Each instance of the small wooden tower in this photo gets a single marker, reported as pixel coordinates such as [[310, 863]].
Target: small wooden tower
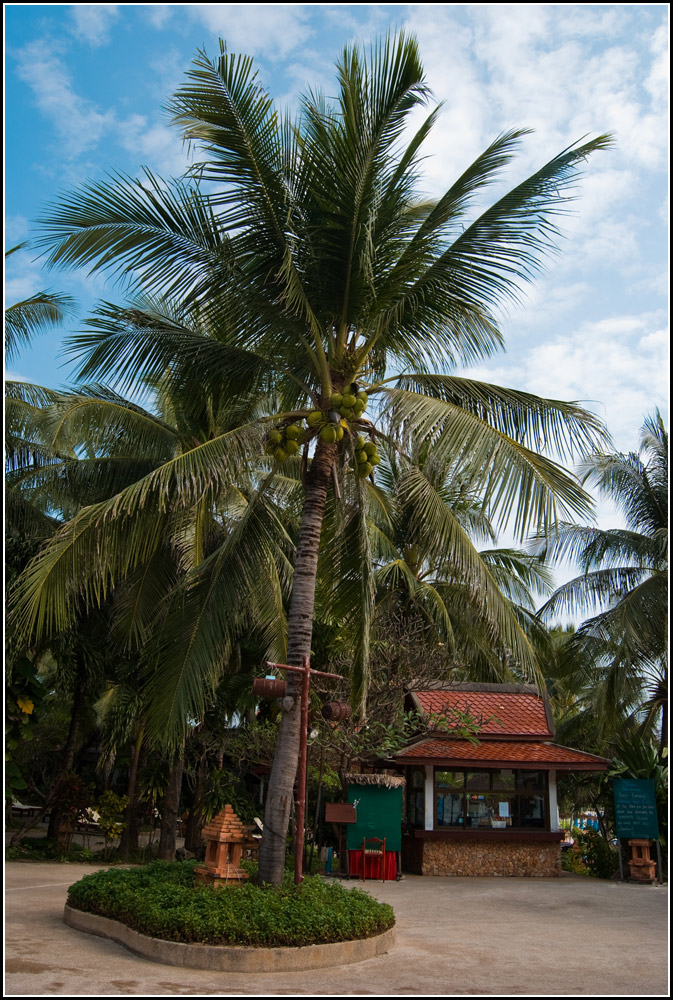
[[226, 839]]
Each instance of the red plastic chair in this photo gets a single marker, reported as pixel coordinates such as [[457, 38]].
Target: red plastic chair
[[373, 847]]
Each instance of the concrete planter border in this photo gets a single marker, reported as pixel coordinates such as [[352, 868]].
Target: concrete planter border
[[223, 958]]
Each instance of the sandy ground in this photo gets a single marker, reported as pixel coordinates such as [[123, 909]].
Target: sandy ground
[[571, 936]]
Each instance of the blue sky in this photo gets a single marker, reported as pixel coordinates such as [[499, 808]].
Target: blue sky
[[84, 92]]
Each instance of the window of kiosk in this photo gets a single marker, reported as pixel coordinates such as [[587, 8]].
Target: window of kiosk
[[416, 798], [450, 798], [499, 799]]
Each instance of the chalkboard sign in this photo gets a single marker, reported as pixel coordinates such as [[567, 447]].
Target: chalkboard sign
[[635, 808]]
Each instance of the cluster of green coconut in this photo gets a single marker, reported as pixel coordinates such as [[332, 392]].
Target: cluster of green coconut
[[366, 456], [341, 407], [284, 442], [350, 404]]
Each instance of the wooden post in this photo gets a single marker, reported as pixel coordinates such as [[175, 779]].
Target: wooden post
[[300, 802]]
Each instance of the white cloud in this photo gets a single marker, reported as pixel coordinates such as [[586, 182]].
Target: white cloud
[[158, 14], [274, 30], [566, 72], [16, 230], [92, 22], [539, 66], [656, 282], [11, 376], [77, 120], [657, 82], [168, 73], [81, 125], [23, 277], [618, 367], [154, 144]]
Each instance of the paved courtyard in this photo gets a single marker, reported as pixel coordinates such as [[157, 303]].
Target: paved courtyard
[[571, 936]]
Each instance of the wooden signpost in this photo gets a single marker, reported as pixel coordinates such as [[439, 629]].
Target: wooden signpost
[[306, 673]]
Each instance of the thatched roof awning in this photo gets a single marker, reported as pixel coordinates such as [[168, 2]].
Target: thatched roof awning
[[381, 780]]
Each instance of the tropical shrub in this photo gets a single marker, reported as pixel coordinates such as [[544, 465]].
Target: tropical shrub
[[591, 855], [161, 900]]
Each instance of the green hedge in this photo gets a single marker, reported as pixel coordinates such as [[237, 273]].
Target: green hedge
[[161, 900]]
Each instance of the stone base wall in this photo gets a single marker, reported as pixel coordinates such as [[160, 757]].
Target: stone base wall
[[465, 857]]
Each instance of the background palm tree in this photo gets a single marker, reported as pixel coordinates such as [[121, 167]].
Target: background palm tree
[[425, 530], [85, 451], [318, 271], [34, 315], [624, 572]]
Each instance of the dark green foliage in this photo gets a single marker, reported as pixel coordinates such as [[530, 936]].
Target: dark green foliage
[[224, 788], [23, 694], [591, 855], [44, 849], [601, 858], [160, 900]]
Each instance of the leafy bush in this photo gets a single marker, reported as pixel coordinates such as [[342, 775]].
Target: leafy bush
[[601, 858], [44, 849], [110, 809], [572, 861], [591, 855], [161, 900]]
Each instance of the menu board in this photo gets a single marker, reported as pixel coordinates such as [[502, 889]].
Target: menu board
[[635, 808]]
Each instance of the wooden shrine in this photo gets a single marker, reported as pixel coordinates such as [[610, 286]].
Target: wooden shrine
[[226, 839], [641, 866]]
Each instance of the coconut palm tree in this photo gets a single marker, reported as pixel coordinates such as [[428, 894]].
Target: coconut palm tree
[[625, 576], [328, 286]]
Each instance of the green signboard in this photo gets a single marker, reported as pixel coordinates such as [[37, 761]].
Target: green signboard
[[379, 814], [635, 808]]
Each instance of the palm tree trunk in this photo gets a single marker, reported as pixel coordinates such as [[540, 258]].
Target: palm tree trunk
[[300, 631], [70, 747], [66, 765], [129, 838], [169, 810], [195, 823]]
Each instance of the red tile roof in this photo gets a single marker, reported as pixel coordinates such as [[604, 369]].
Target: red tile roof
[[493, 753], [509, 714]]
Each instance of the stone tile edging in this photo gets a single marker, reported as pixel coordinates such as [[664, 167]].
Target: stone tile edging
[[223, 958]]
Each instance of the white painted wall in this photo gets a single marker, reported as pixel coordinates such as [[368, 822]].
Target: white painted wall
[[429, 797], [554, 819]]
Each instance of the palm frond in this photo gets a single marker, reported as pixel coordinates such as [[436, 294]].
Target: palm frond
[[161, 237], [34, 315], [106, 541], [584, 593], [592, 547], [563, 428], [203, 613], [521, 487]]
